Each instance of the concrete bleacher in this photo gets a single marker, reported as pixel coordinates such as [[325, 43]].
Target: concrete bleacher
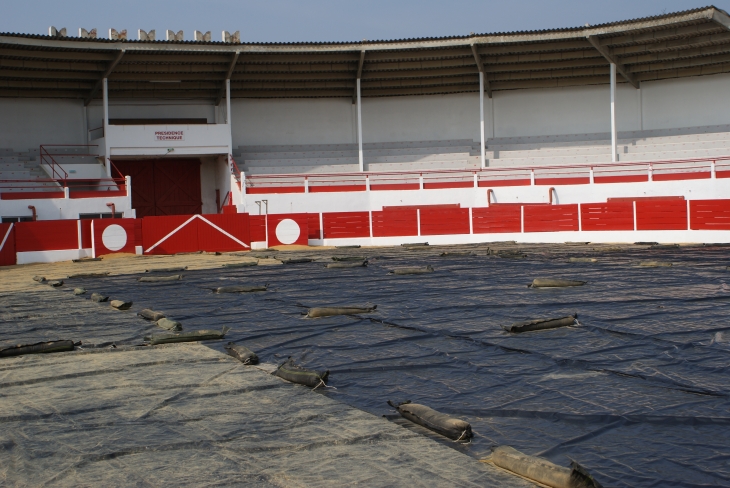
[[506, 152], [22, 171]]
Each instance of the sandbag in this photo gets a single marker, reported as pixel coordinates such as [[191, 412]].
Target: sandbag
[[554, 283], [85, 260], [239, 289], [55, 283], [349, 258], [39, 279], [454, 254], [654, 264], [346, 265], [456, 429], [98, 297], [79, 291], [168, 324], [191, 336], [165, 270], [89, 275], [302, 376], [355, 246], [415, 244], [120, 304], [240, 265], [157, 279], [541, 324], [411, 271], [664, 246], [150, 315], [332, 311], [643, 243], [242, 353], [542, 470], [511, 254], [582, 260], [297, 260], [37, 348]]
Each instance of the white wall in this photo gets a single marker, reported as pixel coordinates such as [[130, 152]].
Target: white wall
[[152, 109], [27, 123]]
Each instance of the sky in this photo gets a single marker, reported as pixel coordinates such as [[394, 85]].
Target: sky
[[325, 20]]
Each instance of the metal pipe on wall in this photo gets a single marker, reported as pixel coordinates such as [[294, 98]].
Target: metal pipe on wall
[[613, 112], [359, 129], [481, 117]]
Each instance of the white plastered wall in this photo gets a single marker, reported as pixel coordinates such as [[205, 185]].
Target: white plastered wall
[[214, 176], [27, 123], [151, 109]]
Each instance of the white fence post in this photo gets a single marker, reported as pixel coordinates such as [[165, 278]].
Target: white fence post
[[418, 221], [522, 219], [532, 177], [634, 215]]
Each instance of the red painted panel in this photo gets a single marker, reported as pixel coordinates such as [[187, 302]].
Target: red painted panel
[[607, 216], [130, 226], [301, 219], [693, 175], [436, 221], [97, 194], [338, 225], [563, 181], [335, 188], [7, 244], [515, 182], [394, 186], [620, 178], [255, 190], [313, 226], [722, 174], [438, 206], [661, 214], [230, 209], [448, 184], [257, 225], [85, 233], [551, 218], [394, 223], [27, 195], [648, 199], [46, 235], [155, 229], [497, 219], [211, 239], [709, 214]]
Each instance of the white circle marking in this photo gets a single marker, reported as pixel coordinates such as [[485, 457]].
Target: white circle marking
[[114, 237], [287, 231]]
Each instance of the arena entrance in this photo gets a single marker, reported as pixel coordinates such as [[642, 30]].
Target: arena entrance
[[164, 186]]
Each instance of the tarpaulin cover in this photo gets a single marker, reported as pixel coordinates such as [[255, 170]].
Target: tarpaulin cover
[[637, 393]]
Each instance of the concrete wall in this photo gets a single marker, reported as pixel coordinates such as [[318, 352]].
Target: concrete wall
[[157, 109], [28, 123]]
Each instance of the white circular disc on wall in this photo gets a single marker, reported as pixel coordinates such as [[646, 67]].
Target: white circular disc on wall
[[114, 237], [287, 231]]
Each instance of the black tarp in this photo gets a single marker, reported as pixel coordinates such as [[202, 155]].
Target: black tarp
[[638, 393]]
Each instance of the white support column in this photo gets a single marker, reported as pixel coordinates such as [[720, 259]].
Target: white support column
[[359, 129], [481, 117], [613, 113], [228, 102], [105, 103], [418, 221], [522, 219], [634, 215]]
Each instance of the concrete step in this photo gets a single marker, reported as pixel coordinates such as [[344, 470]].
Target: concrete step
[[279, 170], [371, 153], [353, 160], [353, 146]]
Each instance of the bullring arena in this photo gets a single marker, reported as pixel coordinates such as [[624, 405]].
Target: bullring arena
[[493, 260]]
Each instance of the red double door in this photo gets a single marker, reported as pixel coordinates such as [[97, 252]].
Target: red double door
[[164, 186]]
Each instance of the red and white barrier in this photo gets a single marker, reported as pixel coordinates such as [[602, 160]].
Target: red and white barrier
[[288, 229], [7, 244], [182, 233], [112, 236]]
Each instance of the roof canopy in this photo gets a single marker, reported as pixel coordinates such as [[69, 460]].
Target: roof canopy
[[690, 43]]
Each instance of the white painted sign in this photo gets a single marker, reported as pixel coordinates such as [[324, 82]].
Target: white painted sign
[[169, 135]]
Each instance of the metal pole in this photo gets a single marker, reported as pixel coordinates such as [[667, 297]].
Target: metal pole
[[228, 102], [359, 128], [481, 116], [613, 113], [107, 150]]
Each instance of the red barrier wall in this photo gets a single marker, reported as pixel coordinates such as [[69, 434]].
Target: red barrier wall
[[86, 233], [211, 239], [444, 221], [709, 214], [276, 233], [154, 229], [46, 235], [607, 216], [257, 225], [313, 225], [661, 214], [195, 233], [340, 225], [395, 223], [496, 219], [7, 244], [551, 218], [112, 236]]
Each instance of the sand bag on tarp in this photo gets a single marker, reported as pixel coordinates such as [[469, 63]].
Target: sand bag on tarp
[[165, 270], [79, 291], [151, 315], [191, 336], [511, 254], [542, 470], [297, 374], [456, 254], [297, 260], [120, 304], [157, 279], [39, 279], [85, 260], [168, 324], [89, 275], [346, 265], [582, 260], [654, 264], [412, 271], [554, 283], [98, 297], [56, 283], [37, 348], [332, 311], [242, 353], [349, 258], [241, 265], [541, 324], [239, 289], [456, 429]]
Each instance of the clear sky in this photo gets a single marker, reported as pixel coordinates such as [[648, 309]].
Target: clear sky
[[325, 20]]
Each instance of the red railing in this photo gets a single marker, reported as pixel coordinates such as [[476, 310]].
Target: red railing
[[684, 169], [234, 170]]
